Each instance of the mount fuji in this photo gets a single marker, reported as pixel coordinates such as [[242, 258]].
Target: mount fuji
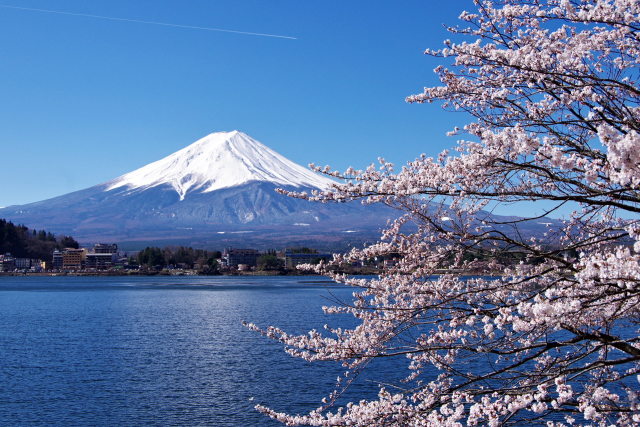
[[220, 190]]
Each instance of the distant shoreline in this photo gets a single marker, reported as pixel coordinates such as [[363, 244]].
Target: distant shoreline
[[150, 273], [170, 273]]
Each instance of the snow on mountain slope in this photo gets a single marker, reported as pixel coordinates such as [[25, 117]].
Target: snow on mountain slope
[[219, 160]]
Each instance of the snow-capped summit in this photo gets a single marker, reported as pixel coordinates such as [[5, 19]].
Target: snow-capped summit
[[219, 160]]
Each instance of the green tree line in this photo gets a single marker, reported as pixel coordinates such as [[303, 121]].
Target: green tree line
[[153, 257], [23, 242]]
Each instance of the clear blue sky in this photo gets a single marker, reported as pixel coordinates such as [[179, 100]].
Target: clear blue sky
[[83, 100]]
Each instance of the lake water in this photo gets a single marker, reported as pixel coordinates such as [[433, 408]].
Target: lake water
[[120, 351], [158, 350]]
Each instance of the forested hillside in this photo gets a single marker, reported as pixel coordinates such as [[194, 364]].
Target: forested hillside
[[23, 242]]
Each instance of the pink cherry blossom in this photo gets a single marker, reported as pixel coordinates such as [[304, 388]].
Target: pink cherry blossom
[[552, 88]]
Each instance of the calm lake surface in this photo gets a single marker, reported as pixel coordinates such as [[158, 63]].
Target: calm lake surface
[[159, 350]]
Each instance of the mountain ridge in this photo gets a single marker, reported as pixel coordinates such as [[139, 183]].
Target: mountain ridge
[[219, 190]]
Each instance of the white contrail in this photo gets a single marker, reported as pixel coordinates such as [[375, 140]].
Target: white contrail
[[139, 21]]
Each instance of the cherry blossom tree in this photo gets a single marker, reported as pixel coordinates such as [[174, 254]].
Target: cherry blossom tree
[[552, 87]]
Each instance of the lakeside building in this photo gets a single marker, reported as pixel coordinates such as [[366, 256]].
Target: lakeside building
[[72, 258], [100, 261], [103, 257], [292, 260], [7, 262], [32, 264], [234, 257], [23, 263], [56, 262]]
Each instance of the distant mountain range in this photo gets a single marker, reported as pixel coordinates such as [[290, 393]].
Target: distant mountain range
[[218, 191]]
